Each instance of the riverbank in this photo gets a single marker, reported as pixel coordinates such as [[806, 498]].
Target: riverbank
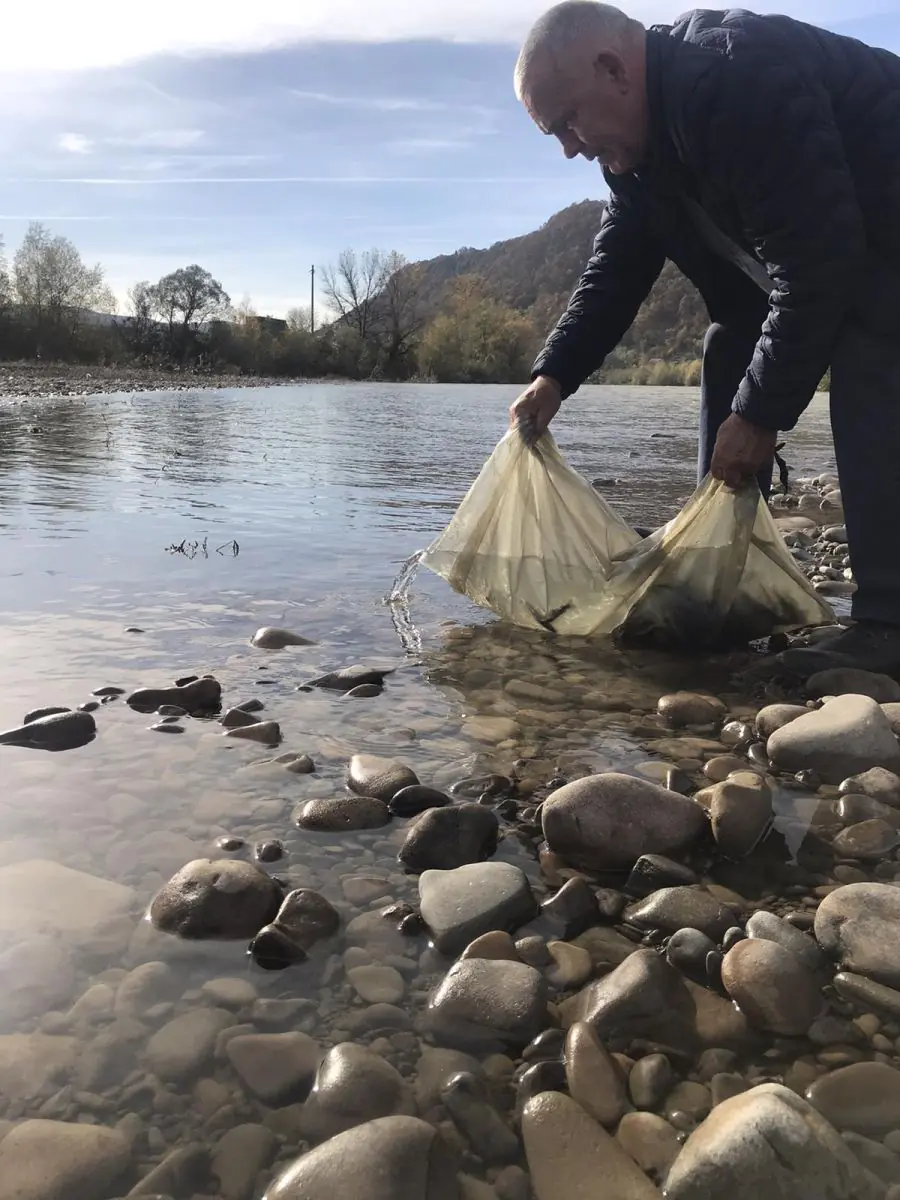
[[34, 380]]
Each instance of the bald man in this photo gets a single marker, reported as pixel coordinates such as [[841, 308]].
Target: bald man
[[762, 156]]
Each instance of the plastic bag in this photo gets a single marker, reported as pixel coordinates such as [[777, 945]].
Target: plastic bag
[[536, 544]]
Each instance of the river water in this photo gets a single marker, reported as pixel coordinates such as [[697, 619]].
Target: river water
[[197, 518]]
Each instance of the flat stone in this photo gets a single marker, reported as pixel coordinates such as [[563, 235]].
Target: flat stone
[[690, 708], [377, 984], [143, 988], [871, 840], [391, 1158], [772, 986], [768, 1142], [178, 1050], [856, 925], [461, 904], [230, 993], [382, 778], [364, 889], [277, 1068], [571, 966], [267, 733], [570, 1155], [776, 716], [867, 992], [847, 735], [65, 730], [863, 1097], [593, 1076], [36, 975], [654, 871], [740, 812], [323, 815], [347, 678], [671, 909], [53, 1160], [43, 897], [237, 718], [239, 1158], [216, 898], [843, 681], [443, 839], [272, 638], [410, 801], [497, 945], [650, 1140], [646, 999], [494, 729], [353, 1085], [772, 928], [30, 1062], [482, 1001], [610, 820], [878, 783]]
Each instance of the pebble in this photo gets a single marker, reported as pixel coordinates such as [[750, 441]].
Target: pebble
[[671, 909], [347, 678], [842, 681], [412, 800], [654, 871], [364, 691], [569, 1154], [848, 734], [740, 811], [303, 919], [381, 778], [593, 1077], [719, 768], [871, 840], [572, 910], [650, 1081], [464, 1097], [772, 986], [271, 638], [767, 1142], [270, 851], [482, 1001], [178, 1051], [354, 1085], [497, 944], [878, 783], [216, 898], [57, 731], [867, 991], [863, 1097], [463, 903], [230, 993], [53, 1160], [435, 1067], [267, 733], [297, 764], [772, 928], [856, 925], [345, 813], [571, 966], [608, 821], [692, 1099], [690, 708], [236, 718], [650, 1140], [446, 838], [240, 1157], [181, 1172], [875, 1157], [377, 984]]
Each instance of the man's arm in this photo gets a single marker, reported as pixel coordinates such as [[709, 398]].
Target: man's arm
[[626, 261], [768, 136]]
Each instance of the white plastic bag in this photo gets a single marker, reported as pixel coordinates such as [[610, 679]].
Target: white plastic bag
[[533, 542]]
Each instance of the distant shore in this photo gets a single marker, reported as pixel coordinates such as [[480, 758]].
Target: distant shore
[[35, 380]]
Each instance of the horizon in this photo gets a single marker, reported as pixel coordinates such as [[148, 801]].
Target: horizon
[[258, 144]]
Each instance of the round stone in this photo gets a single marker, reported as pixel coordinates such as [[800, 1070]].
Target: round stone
[[216, 898], [771, 986]]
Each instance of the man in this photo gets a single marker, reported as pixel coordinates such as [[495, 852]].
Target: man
[[762, 156]]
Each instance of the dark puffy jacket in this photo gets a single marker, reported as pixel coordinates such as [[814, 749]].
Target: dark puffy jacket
[[788, 137]]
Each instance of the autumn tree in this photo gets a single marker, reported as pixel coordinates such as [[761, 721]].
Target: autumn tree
[[53, 287], [187, 299], [477, 339]]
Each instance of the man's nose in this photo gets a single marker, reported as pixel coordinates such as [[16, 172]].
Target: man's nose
[[572, 145]]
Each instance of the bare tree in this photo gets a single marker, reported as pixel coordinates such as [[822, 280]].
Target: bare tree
[[399, 309], [52, 284], [299, 319], [141, 327], [352, 288], [5, 283], [187, 299]]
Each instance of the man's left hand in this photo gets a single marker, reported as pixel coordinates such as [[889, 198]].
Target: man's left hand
[[742, 449]]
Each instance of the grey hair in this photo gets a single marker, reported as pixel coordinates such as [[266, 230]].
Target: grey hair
[[564, 28]]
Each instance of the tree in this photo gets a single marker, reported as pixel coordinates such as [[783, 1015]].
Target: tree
[[352, 288], [399, 318], [54, 287], [141, 327], [299, 320], [478, 340], [5, 284], [186, 300]]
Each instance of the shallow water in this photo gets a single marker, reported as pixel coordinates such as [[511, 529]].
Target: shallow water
[[198, 518]]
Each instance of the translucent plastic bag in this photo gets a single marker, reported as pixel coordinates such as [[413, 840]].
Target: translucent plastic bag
[[534, 542]]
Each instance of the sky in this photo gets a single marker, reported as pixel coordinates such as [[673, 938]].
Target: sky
[[262, 140]]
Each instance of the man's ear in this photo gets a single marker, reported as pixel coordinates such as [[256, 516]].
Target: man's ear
[[611, 68]]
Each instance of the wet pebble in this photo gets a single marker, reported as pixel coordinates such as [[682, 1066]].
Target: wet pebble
[[856, 926], [267, 733], [459, 905], [166, 726], [863, 1097], [272, 638], [216, 898], [381, 778], [593, 1077], [464, 1097], [772, 986], [654, 871], [482, 1001], [303, 919], [446, 838], [674, 908], [412, 800], [650, 1140], [690, 708], [377, 984], [650, 1081], [270, 851], [230, 844], [687, 951], [344, 813]]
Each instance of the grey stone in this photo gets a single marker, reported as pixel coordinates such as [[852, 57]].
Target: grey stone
[[768, 1142], [571, 911], [36, 975], [461, 904], [482, 1001], [773, 987], [238, 717], [740, 812], [277, 1068], [143, 988], [415, 799], [52, 1160], [322, 815], [377, 984], [57, 731], [391, 1158], [856, 925], [242, 1153], [851, 809], [267, 733], [654, 871], [688, 951], [863, 1097], [303, 919], [880, 784], [31, 1063], [216, 898], [875, 1157], [230, 992], [842, 681], [610, 820], [347, 678], [688, 1099], [465, 1098], [354, 1085], [772, 928], [775, 716], [846, 735], [182, 1172], [870, 840], [271, 638], [650, 1140], [671, 909], [446, 838], [434, 1069], [382, 778], [39, 896], [496, 944], [650, 1081], [570, 1155], [178, 1050], [570, 968], [593, 1076], [868, 993], [690, 708], [200, 695]]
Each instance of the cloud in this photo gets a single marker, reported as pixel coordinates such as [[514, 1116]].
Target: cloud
[[94, 34], [74, 143]]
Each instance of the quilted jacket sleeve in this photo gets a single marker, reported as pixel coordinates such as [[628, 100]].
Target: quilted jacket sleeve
[[766, 135], [616, 281]]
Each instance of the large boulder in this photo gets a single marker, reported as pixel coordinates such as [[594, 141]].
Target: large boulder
[[857, 926], [216, 898], [846, 735], [608, 821]]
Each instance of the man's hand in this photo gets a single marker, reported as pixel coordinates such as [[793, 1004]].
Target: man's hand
[[536, 407], [741, 450]]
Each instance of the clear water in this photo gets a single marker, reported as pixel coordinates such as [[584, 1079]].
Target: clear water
[[198, 518]]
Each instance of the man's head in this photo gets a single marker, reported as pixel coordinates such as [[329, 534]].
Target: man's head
[[581, 76]]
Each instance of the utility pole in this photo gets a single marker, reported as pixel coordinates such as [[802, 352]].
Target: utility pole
[[312, 299]]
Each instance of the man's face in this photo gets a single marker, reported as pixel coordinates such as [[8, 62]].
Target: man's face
[[594, 112]]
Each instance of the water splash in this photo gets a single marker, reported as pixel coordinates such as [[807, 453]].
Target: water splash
[[398, 602]]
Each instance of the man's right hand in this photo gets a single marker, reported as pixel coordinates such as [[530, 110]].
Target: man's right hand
[[536, 407]]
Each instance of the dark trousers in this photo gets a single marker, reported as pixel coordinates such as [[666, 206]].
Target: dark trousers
[[865, 421]]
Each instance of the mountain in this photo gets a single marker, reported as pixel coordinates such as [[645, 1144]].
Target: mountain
[[535, 273]]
